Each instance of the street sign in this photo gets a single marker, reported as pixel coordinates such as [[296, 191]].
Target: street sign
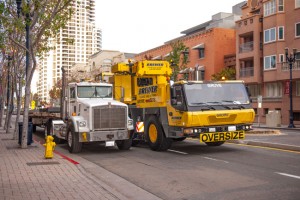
[[287, 87], [32, 105], [259, 101]]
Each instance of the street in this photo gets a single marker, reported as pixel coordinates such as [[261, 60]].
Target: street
[[190, 170]]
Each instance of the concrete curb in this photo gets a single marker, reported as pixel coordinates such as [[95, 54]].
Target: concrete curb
[[276, 128], [268, 144], [261, 131], [120, 187]]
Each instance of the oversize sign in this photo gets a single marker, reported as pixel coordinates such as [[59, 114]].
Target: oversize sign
[[222, 136]]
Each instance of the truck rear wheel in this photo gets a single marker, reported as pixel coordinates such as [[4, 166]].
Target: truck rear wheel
[[214, 143], [73, 141], [155, 135], [124, 144]]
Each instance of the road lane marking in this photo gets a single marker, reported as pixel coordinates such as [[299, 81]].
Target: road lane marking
[[180, 152], [268, 148], [208, 158], [289, 175]]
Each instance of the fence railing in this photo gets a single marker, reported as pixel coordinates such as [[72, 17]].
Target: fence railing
[[286, 67], [246, 47], [246, 72]]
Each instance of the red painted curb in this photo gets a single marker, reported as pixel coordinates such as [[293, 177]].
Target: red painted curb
[[67, 158]]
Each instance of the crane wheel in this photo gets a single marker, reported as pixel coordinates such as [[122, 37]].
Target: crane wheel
[[155, 135]]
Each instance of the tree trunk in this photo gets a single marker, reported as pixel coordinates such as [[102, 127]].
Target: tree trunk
[[25, 116], [1, 106], [19, 99], [9, 109], [9, 98], [1, 109], [29, 74]]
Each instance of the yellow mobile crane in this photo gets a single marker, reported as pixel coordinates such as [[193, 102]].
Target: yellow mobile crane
[[213, 111]]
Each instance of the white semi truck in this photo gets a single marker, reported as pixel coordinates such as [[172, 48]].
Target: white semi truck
[[88, 114]]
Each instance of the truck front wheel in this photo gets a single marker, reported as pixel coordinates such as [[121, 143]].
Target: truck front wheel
[[124, 144], [73, 141], [214, 143], [155, 135]]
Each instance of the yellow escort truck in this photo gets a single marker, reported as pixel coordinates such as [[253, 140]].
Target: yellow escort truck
[[213, 111]]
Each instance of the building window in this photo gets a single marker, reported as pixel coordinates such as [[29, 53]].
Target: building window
[[298, 88], [270, 35], [281, 33], [269, 8], [254, 90], [266, 111], [297, 56], [297, 3], [274, 89], [269, 62], [201, 53], [297, 30], [281, 58], [280, 6]]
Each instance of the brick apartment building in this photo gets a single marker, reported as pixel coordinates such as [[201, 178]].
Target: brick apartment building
[[255, 46], [266, 28], [209, 44]]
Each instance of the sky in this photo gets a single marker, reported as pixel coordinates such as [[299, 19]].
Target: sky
[[134, 26]]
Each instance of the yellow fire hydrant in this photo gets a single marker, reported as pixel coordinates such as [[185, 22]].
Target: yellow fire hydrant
[[49, 146]]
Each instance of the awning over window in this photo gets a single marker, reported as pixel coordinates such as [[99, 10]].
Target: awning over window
[[199, 46], [156, 58], [168, 54], [186, 70], [200, 68]]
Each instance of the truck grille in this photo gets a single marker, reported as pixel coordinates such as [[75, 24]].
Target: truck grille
[[109, 117]]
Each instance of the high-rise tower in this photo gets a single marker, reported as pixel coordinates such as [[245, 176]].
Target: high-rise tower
[[74, 44]]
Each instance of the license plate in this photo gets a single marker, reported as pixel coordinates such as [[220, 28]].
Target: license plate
[[110, 143], [222, 136]]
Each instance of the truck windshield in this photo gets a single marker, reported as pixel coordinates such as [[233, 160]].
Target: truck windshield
[[198, 94], [94, 92]]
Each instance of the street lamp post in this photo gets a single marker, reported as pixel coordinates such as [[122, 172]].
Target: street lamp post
[[291, 59], [27, 23]]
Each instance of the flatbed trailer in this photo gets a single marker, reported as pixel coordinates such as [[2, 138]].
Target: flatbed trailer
[[40, 117]]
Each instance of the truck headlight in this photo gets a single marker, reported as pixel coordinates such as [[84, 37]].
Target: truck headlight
[[188, 131], [82, 124]]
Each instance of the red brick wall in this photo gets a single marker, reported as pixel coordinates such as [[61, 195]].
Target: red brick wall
[[218, 43]]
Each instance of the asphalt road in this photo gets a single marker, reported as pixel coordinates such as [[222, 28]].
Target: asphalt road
[[195, 171]]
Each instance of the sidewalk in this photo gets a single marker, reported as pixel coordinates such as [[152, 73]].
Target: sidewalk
[[26, 174]]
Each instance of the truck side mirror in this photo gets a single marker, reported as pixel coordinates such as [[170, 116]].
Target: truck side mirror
[[173, 96], [248, 93], [122, 93], [173, 93]]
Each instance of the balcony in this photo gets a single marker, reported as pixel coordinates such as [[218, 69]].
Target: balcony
[[246, 47], [247, 72], [285, 66]]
